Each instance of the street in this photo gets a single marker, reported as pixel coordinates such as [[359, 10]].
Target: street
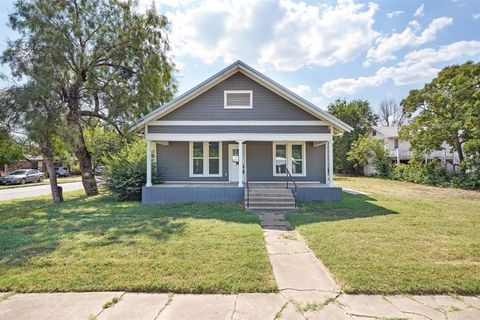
[[27, 192]]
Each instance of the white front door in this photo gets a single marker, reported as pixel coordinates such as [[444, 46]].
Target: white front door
[[233, 162]]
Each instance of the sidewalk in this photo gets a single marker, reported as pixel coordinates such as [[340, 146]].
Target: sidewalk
[[307, 291]]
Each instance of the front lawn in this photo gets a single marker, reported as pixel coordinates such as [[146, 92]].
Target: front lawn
[[400, 238], [98, 244]]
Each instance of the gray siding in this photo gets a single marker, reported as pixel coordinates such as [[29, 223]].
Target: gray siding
[[173, 159], [267, 105], [260, 162], [238, 129]]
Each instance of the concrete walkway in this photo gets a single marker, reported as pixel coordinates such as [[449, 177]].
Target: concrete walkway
[[307, 291]]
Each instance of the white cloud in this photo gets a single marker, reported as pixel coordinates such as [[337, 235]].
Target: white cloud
[[284, 34], [395, 13], [387, 45], [419, 11], [476, 16], [416, 67], [301, 89]]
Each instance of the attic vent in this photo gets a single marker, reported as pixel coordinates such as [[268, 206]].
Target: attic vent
[[238, 99]]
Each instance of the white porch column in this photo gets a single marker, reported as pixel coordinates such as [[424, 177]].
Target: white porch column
[[398, 156], [330, 163], [240, 163], [149, 164]]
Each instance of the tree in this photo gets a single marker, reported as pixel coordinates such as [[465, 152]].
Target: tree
[[10, 151], [391, 113], [367, 149], [360, 116], [36, 112], [447, 110], [108, 62]]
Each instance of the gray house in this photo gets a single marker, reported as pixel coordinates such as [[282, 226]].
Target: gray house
[[241, 136]]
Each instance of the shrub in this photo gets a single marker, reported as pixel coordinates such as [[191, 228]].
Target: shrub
[[433, 173], [429, 173], [126, 171]]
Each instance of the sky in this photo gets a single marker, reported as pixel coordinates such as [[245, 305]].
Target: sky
[[322, 50]]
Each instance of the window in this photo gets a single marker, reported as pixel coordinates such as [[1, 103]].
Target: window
[[291, 156], [374, 133], [205, 159], [238, 99], [395, 143]]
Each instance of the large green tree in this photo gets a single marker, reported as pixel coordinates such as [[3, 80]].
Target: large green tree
[[447, 110], [360, 116], [108, 62]]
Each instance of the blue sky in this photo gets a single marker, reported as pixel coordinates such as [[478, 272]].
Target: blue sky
[[323, 50]]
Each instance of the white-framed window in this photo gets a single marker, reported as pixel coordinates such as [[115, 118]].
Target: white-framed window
[[291, 156], [205, 159], [238, 99]]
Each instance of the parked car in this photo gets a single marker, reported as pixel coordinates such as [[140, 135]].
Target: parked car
[[62, 172], [23, 176]]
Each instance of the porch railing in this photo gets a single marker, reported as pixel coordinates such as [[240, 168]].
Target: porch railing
[[289, 175]]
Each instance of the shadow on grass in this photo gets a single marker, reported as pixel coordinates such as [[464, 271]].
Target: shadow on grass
[[35, 227], [349, 207]]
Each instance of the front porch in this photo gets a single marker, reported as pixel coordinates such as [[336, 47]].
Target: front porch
[[216, 168]]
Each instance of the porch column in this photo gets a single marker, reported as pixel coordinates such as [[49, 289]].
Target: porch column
[[330, 163], [149, 164], [240, 163]]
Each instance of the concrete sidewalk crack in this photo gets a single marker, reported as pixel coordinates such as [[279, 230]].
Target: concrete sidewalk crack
[[169, 301], [234, 307]]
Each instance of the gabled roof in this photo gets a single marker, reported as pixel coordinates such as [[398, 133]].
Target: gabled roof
[[387, 132], [239, 66]]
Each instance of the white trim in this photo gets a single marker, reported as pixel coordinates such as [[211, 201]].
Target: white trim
[[288, 160], [239, 123], [149, 164], [230, 147], [226, 92], [239, 136], [330, 164], [206, 159], [251, 73]]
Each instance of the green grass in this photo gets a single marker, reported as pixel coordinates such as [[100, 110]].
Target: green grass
[[99, 244], [44, 182], [400, 238]]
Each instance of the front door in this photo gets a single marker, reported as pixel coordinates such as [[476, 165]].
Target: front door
[[233, 162]]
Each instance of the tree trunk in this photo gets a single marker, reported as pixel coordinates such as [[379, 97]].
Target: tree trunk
[[48, 158], [83, 155], [458, 146], [85, 159]]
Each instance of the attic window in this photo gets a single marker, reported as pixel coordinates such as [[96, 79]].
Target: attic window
[[238, 99]]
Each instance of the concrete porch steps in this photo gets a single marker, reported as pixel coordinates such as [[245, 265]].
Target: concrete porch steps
[[269, 199]]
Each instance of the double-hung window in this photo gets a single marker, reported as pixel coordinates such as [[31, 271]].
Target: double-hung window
[[291, 156], [206, 159]]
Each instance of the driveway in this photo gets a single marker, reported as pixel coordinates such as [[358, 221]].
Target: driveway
[[27, 192]]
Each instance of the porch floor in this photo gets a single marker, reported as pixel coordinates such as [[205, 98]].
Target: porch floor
[[252, 184]]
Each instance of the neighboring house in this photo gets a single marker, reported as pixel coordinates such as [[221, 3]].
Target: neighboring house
[[399, 150], [37, 163], [237, 133]]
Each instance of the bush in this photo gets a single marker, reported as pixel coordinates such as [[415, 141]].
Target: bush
[[432, 173], [126, 171]]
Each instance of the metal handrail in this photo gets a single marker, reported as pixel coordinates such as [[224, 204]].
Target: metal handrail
[[248, 189], [294, 184]]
